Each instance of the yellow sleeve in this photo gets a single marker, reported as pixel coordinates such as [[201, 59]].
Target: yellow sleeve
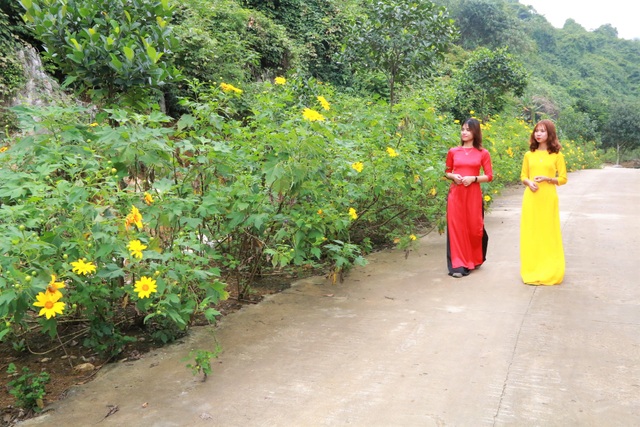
[[524, 173], [561, 168]]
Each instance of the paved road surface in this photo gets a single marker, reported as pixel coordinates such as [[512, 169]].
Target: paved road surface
[[400, 343]]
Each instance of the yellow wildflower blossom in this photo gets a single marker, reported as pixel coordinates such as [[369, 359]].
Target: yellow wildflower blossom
[[134, 218], [3, 149], [148, 199], [510, 152], [325, 104], [487, 198], [136, 247], [320, 212], [353, 214], [280, 80], [226, 87], [312, 115], [145, 287], [53, 288], [82, 267], [433, 191], [412, 237], [50, 305], [392, 152], [358, 166]]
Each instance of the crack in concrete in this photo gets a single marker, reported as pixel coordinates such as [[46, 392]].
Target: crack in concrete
[[513, 352]]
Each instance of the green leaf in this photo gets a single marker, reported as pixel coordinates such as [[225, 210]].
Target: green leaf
[[128, 53]]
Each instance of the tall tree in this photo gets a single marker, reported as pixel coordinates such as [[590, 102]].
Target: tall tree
[[485, 80], [621, 130], [401, 39]]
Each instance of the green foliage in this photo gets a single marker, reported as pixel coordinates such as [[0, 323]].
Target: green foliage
[[621, 130], [63, 201], [265, 176], [318, 27], [202, 361], [114, 50], [481, 23], [11, 73], [400, 39], [28, 388], [12, 26], [485, 80], [220, 41]]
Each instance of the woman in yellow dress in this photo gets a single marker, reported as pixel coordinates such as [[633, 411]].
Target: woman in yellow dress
[[543, 168]]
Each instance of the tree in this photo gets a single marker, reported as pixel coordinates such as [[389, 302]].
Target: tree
[[318, 25], [621, 130], [485, 80], [400, 39], [112, 50]]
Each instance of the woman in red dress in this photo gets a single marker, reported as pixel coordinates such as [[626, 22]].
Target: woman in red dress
[[466, 237]]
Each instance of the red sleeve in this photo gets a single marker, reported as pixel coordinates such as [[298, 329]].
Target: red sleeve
[[486, 165], [449, 165]]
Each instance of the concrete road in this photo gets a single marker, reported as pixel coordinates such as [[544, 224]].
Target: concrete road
[[400, 343]]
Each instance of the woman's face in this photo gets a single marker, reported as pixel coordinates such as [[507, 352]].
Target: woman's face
[[540, 134], [465, 134]]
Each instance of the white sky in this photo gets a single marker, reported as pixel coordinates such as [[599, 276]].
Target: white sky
[[624, 15]]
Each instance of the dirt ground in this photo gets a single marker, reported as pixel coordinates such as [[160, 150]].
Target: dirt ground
[[38, 353]]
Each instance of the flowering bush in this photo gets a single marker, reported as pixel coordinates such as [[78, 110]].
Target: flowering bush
[[134, 218]]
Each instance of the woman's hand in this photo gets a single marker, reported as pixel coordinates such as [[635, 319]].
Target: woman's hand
[[531, 184], [541, 179], [466, 180]]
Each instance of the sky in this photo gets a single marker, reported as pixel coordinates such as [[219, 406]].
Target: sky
[[624, 15]]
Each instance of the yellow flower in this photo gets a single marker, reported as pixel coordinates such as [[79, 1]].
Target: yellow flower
[[148, 199], [50, 305], [456, 121], [312, 115], [325, 104], [412, 237], [229, 88], [353, 214], [3, 149], [280, 80], [145, 287], [94, 124], [392, 152], [358, 166], [52, 288], [433, 191], [416, 178], [510, 152], [472, 112], [136, 247], [487, 198], [134, 217], [396, 240], [82, 267], [320, 212]]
